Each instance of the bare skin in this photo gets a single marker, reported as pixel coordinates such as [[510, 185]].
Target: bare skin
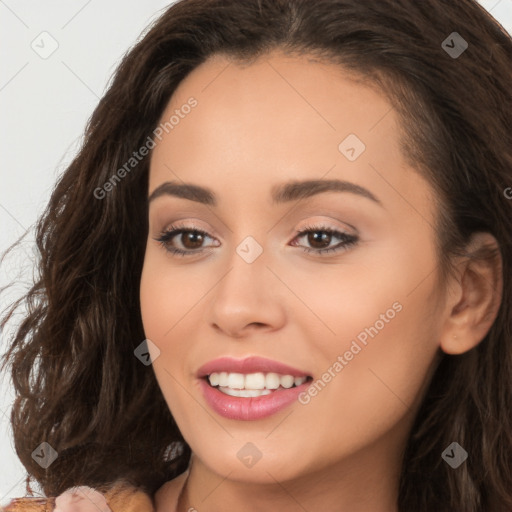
[[256, 126]]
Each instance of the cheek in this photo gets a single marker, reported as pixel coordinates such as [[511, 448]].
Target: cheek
[[374, 373], [166, 296], [380, 318], [167, 300]]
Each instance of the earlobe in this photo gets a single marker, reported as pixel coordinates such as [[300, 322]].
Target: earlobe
[[479, 296]]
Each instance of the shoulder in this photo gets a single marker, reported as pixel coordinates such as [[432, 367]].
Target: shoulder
[[121, 497], [29, 505]]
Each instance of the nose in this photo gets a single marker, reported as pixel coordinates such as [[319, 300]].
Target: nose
[[248, 298]]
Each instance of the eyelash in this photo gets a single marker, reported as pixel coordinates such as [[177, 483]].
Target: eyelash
[[347, 240]]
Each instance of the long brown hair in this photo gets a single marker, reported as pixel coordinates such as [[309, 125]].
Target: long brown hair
[[79, 386]]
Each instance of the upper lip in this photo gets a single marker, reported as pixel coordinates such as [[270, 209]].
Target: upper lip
[[252, 364]]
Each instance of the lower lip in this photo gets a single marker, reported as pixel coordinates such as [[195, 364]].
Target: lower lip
[[250, 408]]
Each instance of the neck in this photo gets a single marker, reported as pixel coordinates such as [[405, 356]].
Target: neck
[[366, 480]]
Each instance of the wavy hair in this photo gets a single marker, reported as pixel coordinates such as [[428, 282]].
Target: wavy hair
[[79, 386]]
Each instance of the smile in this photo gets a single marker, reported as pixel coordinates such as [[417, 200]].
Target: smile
[[252, 384], [251, 388]]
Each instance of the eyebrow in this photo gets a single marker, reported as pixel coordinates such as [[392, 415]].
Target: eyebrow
[[282, 193]]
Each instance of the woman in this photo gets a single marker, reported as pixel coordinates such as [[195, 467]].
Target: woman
[[277, 274]]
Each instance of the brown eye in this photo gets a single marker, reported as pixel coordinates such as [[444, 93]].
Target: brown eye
[[183, 241], [191, 239], [320, 238]]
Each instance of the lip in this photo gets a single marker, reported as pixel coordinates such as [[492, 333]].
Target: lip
[[252, 364], [253, 408], [250, 408]]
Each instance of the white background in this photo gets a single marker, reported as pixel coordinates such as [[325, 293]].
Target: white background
[[45, 104]]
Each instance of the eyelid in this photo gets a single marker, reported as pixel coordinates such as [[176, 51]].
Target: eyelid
[[312, 223], [190, 223], [331, 223], [347, 240]]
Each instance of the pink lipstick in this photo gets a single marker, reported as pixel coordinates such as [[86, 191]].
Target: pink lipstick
[[252, 388]]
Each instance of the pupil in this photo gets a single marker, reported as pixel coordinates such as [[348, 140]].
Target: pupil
[[193, 237], [322, 239]]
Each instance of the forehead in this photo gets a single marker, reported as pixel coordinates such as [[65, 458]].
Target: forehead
[[280, 117]]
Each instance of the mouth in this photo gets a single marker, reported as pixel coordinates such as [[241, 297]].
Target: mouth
[[253, 385], [252, 388]]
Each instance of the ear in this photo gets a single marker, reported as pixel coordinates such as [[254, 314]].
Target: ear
[[474, 298]]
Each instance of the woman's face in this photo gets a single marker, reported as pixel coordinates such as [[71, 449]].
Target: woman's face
[[361, 321]]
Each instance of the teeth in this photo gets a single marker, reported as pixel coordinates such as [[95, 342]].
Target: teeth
[[223, 378], [299, 380], [272, 381], [236, 381], [287, 381], [254, 382], [246, 393], [214, 379]]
